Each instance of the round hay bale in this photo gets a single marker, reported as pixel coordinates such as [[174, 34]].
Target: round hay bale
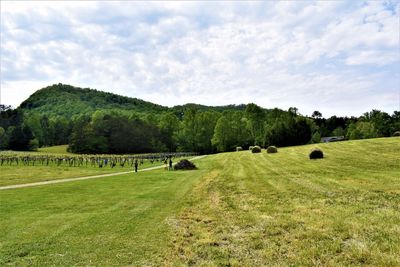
[[397, 133], [184, 164], [256, 149], [251, 147], [272, 149], [239, 148], [316, 153]]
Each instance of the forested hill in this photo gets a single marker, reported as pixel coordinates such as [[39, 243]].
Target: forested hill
[[91, 121], [66, 101]]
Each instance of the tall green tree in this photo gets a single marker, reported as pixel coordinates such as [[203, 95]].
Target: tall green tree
[[255, 116], [362, 130], [231, 131], [222, 134], [205, 125], [20, 138], [169, 126], [3, 139], [186, 136]]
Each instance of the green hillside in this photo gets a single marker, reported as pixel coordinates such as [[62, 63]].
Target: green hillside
[[237, 209], [66, 100], [91, 121]]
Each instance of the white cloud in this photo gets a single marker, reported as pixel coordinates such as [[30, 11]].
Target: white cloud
[[378, 58], [312, 55]]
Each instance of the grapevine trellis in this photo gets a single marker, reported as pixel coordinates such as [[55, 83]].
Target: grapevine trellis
[[9, 159]]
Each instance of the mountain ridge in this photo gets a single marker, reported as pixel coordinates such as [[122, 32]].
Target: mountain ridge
[[67, 100]]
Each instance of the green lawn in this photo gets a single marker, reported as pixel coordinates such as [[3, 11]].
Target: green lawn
[[21, 174], [62, 149], [238, 209]]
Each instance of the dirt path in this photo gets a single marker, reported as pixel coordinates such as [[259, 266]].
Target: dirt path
[[83, 178]]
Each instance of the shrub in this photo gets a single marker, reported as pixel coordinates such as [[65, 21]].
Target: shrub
[[316, 153], [184, 164], [33, 144], [272, 149], [251, 147], [397, 133], [256, 149], [239, 148]]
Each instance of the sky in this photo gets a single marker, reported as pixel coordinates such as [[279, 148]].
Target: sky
[[337, 57]]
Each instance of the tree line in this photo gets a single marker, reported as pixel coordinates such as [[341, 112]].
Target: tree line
[[190, 129]]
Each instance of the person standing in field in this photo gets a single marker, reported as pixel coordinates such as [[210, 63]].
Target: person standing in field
[[170, 163], [136, 165], [165, 164]]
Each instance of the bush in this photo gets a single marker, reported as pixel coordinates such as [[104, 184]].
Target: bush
[[272, 149], [397, 133], [184, 164], [256, 149], [33, 145], [316, 154], [239, 148]]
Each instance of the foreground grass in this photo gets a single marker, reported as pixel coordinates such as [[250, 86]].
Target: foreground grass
[[107, 222], [284, 209], [239, 209]]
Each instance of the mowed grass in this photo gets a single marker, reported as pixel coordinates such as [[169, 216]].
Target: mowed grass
[[22, 174], [284, 209], [112, 221], [238, 209], [61, 149]]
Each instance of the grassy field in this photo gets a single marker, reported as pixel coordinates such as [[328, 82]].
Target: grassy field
[[238, 209], [62, 149], [21, 174]]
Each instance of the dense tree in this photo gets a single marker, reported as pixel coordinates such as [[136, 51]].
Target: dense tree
[[255, 116], [78, 139], [196, 130], [186, 136], [115, 133], [61, 130], [169, 126], [316, 138], [222, 137], [288, 132], [362, 130], [21, 137], [338, 131], [97, 122], [17, 134], [381, 121], [316, 114], [3, 139], [294, 111], [205, 124]]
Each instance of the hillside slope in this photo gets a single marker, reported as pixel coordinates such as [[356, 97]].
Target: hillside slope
[[287, 210], [66, 100]]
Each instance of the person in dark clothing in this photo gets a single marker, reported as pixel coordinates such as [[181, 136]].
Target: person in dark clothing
[[170, 164], [136, 165], [165, 164]]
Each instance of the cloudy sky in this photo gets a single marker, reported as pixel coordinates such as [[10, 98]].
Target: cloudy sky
[[338, 57]]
